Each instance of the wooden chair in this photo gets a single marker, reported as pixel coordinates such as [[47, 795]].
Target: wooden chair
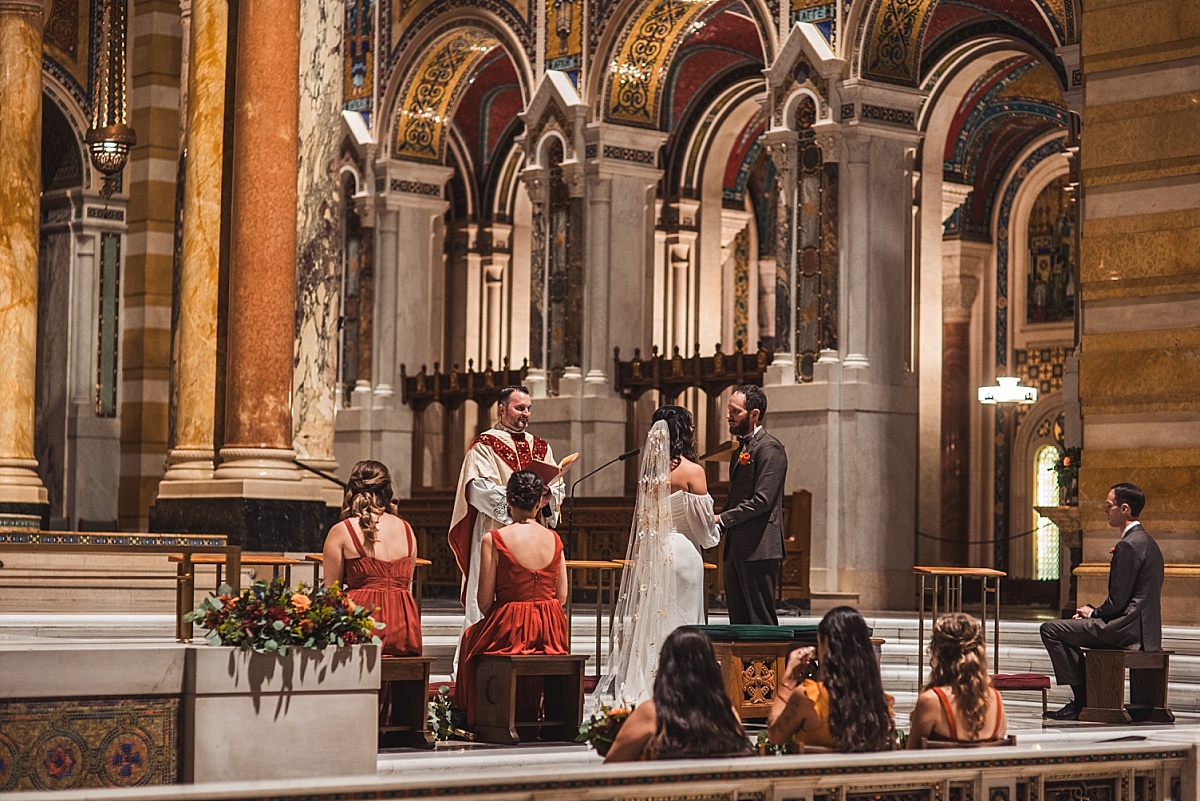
[[1149, 673], [408, 723], [938, 744], [496, 690]]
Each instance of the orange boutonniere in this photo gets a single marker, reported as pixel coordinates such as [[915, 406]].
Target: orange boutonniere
[[744, 459]]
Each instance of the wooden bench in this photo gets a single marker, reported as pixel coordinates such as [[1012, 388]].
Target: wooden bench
[[273, 561], [407, 722], [1149, 672], [1024, 681], [496, 680]]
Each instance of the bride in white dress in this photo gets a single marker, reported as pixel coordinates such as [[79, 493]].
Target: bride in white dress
[[662, 586]]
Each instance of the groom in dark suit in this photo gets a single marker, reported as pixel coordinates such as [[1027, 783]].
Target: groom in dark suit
[[752, 520], [1130, 617]]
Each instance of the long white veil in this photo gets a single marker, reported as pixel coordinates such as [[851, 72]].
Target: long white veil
[[640, 619]]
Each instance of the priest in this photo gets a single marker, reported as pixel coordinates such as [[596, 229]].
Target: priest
[[479, 500]]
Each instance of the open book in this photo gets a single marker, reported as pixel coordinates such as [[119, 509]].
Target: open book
[[548, 471]]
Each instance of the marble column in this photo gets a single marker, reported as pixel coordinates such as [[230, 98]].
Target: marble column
[[191, 455], [962, 266], [23, 498], [257, 495], [319, 246], [262, 260]]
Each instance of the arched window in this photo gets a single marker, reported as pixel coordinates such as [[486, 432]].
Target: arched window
[[1045, 493]]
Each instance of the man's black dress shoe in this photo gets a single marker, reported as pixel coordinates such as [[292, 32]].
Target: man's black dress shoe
[[1069, 712]]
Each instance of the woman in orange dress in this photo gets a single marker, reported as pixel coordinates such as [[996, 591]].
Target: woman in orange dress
[[372, 553], [959, 704], [522, 589]]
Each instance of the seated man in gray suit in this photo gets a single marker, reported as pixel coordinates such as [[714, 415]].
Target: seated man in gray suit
[[1130, 617]]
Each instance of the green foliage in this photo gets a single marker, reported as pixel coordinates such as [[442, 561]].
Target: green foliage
[[439, 715], [269, 617]]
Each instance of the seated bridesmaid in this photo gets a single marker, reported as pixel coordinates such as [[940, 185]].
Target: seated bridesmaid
[[522, 589], [690, 714], [959, 704], [840, 704], [372, 553]]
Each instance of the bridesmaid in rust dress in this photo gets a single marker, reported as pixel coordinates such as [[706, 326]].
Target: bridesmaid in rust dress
[[372, 553], [522, 589]]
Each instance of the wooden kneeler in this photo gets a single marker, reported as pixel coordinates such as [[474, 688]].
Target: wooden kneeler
[[1149, 672], [408, 725], [496, 696]]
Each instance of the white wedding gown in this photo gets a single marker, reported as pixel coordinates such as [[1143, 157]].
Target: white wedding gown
[[662, 585], [692, 530]]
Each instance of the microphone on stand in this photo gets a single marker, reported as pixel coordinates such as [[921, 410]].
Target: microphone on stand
[[571, 499]]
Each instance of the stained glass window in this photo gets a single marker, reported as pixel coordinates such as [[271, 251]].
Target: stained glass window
[[1045, 493]]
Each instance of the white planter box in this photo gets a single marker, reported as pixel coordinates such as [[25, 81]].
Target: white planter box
[[249, 716]]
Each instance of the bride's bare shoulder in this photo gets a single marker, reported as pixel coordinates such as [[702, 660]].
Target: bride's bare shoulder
[[689, 476]]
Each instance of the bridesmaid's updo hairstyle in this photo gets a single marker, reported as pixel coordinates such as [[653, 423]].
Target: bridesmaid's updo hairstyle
[[679, 425], [524, 490], [368, 495]]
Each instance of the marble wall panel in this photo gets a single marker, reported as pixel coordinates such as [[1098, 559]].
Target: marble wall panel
[[318, 242], [1139, 255]]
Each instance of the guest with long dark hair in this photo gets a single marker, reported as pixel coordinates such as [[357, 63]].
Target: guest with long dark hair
[[838, 702], [959, 704], [690, 714]]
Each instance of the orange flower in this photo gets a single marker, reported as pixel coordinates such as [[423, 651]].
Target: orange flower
[[350, 605], [301, 602], [744, 459]]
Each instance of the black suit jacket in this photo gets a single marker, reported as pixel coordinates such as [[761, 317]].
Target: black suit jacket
[[753, 512], [1131, 615]]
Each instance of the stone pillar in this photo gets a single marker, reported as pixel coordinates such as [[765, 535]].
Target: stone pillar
[[852, 431], [783, 145], [23, 499], [319, 246], [257, 495], [409, 314], [191, 455], [962, 267]]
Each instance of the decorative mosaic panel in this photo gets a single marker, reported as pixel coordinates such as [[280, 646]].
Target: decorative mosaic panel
[[893, 53], [433, 88], [358, 66], [640, 68], [741, 286], [65, 745], [564, 37], [1049, 281], [1099, 789]]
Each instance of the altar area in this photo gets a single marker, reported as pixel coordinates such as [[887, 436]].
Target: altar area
[[1064, 762]]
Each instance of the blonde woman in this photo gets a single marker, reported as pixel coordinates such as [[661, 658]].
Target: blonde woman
[[372, 552], [959, 704]]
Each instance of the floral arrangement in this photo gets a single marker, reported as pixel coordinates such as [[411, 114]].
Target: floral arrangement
[[269, 617], [601, 727], [1067, 466], [744, 459]]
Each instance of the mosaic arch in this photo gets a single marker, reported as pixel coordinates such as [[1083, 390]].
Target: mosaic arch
[[898, 33], [432, 88], [638, 72]]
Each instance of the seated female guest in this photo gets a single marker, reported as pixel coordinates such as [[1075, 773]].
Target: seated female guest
[[522, 589], [959, 704], [372, 553], [837, 700], [690, 714]]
